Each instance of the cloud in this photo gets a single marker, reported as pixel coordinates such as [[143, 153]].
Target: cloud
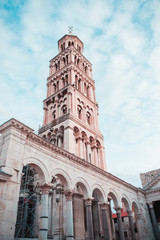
[[121, 39]]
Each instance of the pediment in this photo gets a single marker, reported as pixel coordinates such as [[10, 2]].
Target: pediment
[[154, 184]]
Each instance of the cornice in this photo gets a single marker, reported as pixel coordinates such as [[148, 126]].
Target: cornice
[[15, 123], [152, 190], [76, 120]]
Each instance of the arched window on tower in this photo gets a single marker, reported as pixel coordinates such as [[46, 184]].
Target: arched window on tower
[[79, 84], [75, 59], [63, 82], [54, 114], [64, 109], [67, 59], [78, 62], [87, 91], [88, 116], [56, 66], [57, 85], [72, 43], [64, 61], [54, 87], [79, 111], [66, 80], [69, 43]]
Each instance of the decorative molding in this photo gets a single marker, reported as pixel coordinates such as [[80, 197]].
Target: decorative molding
[[4, 176]]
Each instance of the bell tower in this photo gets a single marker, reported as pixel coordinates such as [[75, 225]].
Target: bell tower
[[70, 108]]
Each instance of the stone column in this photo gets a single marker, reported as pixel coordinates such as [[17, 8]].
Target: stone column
[[105, 222], [80, 147], [113, 234], [120, 226], [131, 225], [43, 230], [50, 214], [69, 214], [154, 221], [96, 219], [89, 221]]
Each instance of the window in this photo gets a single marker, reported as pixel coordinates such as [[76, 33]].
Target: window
[[79, 111], [88, 116], [64, 109], [54, 114]]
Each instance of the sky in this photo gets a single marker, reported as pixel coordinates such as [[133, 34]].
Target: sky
[[121, 40]]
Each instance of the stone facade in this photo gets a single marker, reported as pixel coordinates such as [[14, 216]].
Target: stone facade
[[151, 185], [55, 185]]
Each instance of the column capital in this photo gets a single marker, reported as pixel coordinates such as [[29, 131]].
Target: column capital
[[45, 188], [68, 195], [150, 205], [88, 201], [103, 206], [118, 209], [129, 213]]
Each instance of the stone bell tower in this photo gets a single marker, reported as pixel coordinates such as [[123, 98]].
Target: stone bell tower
[[70, 108]]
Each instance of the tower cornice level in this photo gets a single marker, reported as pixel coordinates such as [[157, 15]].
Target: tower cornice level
[[70, 66]]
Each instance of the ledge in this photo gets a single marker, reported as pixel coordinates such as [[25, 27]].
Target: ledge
[[4, 176]]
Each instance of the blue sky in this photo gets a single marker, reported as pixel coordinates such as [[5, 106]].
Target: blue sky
[[121, 40]]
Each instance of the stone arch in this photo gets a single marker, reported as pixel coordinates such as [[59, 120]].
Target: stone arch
[[39, 167], [113, 195], [98, 192], [83, 186], [79, 111], [83, 134], [135, 207], [75, 130], [63, 176], [64, 109], [126, 202]]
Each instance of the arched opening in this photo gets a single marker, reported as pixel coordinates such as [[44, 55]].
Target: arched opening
[[64, 109], [137, 225], [29, 200], [96, 213], [126, 213], [88, 117], [54, 114], [113, 221], [80, 227], [79, 111]]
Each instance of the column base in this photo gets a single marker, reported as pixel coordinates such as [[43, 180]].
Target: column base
[[58, 234], [69, 238]]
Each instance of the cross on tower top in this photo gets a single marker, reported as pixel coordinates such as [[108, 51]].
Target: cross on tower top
[[70, 29]]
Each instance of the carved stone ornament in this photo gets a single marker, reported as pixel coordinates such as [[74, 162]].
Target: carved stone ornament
[[45, 188]]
